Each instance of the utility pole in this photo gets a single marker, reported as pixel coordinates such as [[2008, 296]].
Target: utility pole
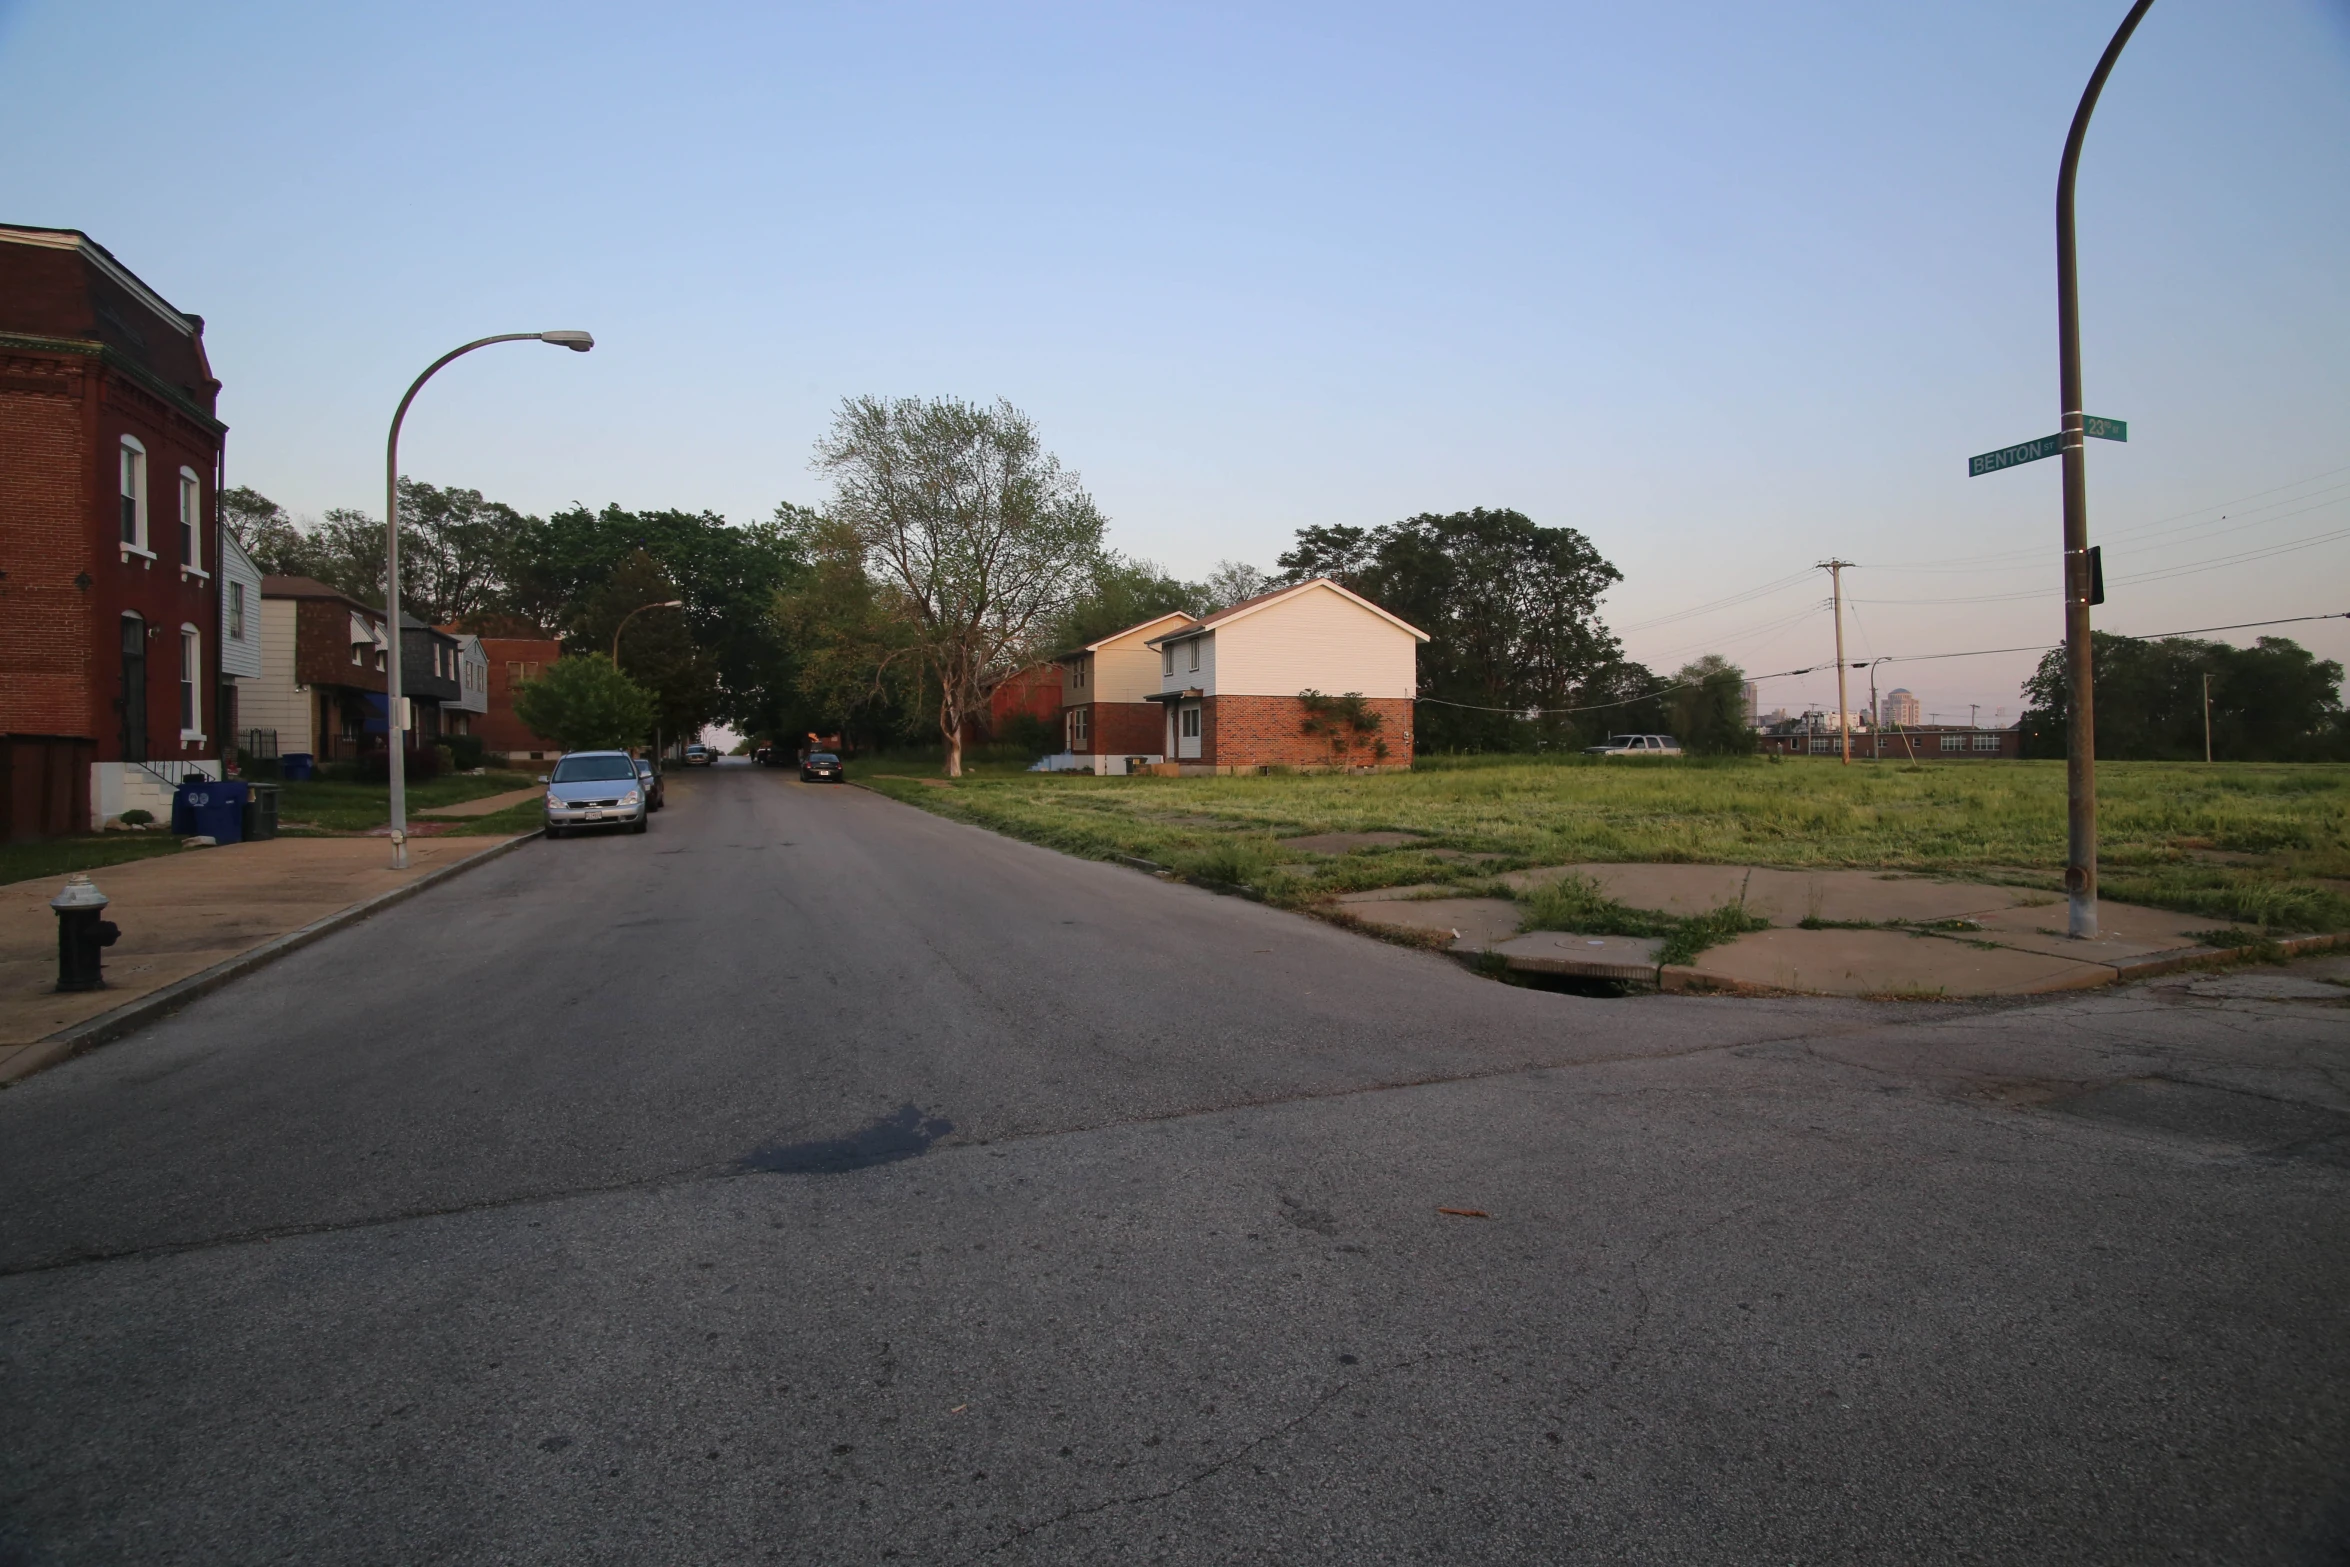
[[1835, 571], [2207, 718], [2080, 871], [1974, 715]]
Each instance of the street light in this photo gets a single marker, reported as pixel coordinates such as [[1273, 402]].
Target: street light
[[2080, 869], [631, 615], [394, 730]]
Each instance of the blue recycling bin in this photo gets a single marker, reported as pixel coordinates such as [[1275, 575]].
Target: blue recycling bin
[[295, 766], [215, 810]]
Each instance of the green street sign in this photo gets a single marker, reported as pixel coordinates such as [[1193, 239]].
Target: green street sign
[[2046, 446], [2009, 456]]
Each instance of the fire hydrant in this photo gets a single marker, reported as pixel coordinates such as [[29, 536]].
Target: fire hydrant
[[81, 935]]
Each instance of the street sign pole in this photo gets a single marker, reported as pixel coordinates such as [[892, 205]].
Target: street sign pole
[[2080, 870]]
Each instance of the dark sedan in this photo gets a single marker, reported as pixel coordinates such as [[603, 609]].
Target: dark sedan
[[820, 767]]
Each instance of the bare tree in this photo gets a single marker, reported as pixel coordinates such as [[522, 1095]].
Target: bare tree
[[978, 535]]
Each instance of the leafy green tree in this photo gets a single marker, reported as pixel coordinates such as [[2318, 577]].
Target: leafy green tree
[[1708, 710], [657, 647], [583, 704], [979, 539], [1121, 592], [859, 668], [1232, 581], [455, 551], [1511, 610], [2272, 702]]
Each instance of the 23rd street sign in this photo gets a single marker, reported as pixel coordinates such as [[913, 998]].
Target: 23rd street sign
[[2046, 446]]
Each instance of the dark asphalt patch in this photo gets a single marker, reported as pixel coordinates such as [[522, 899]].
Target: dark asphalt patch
[[906, 1135], [2217, 1117]]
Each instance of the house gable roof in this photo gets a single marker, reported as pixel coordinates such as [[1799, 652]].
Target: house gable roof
[[1120, 636], [1264, 601], [310, 588]]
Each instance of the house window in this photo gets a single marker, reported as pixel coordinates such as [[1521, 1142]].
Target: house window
[[1954, 742], [1167, 660], [236, 611], [1987, 742], [1193, 644], [191, 659], [134, 493], [355, 647], [1190, 723], [191, 519]]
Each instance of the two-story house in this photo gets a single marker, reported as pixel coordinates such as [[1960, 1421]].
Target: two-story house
[[473, 685], [1305, 676], [1108, 689], [240, 637], [110, 471], [321, 691], [514, 663], [428, 678]]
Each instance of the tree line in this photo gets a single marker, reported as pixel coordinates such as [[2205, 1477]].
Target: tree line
[[955, 550]]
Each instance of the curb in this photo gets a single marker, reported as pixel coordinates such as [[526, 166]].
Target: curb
[[109, 1026]]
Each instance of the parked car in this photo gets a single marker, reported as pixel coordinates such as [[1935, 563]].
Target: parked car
[[763, 755], [699, 756], [650, 771], [1636, 745], [595, 789], [820, 767]]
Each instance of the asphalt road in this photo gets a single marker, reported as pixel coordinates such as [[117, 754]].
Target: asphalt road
[[814, 1180]]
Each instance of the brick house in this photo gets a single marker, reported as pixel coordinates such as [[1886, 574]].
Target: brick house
[[321, 691], [1233, 688], [514, 662], [1035, 692], [110, 469], [1109, 691]]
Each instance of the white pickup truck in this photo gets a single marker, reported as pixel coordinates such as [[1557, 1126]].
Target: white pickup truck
[[1636, 745]]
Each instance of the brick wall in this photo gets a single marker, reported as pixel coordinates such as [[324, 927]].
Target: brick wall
[[499, 729], [47, 646], [1124, 729], [1266, 731]]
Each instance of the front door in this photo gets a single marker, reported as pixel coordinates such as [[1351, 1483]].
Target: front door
[[134, 689], [1187, 730]]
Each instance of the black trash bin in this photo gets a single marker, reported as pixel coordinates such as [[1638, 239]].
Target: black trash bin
[[261, 812]]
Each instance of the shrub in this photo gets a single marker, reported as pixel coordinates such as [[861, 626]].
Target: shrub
[[1343, 723], [134, 817], [465, 752]]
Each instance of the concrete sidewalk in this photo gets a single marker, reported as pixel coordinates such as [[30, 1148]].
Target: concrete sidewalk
[[488, 806], [184, 914], [1871, 933]]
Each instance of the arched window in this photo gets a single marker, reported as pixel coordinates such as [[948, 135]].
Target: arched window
[[134, 493]]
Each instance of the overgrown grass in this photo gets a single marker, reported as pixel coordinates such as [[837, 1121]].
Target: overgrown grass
[[2163, 826], [1576, 903]]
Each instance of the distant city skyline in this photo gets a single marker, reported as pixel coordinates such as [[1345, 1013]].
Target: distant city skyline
[[1730, 290]]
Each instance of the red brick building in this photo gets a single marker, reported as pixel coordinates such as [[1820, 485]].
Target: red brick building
[[514, 663], [110, 471]]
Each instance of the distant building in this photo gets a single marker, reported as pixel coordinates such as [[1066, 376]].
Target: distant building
[[514, 663], [1753, 694], [1902, 708]]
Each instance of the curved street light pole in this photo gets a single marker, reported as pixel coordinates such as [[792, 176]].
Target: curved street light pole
[[631, 615], [2080, 870], [394, 731], [616, 630]]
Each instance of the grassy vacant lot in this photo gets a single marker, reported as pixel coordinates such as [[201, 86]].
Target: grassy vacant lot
[[2266, 844]]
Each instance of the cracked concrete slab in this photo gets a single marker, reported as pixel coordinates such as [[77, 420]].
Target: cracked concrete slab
[[1786, 897], [1473, 923], [1879, 963]]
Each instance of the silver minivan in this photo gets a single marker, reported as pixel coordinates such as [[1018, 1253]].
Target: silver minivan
[[595, 789]]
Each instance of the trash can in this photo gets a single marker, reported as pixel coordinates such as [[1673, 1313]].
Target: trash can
[[295, 766], [261, 812], [211, 810]]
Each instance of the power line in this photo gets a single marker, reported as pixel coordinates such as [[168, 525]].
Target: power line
[[1905, 658]]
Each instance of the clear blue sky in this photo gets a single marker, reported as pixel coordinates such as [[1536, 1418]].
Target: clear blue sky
[[1729, 287]]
